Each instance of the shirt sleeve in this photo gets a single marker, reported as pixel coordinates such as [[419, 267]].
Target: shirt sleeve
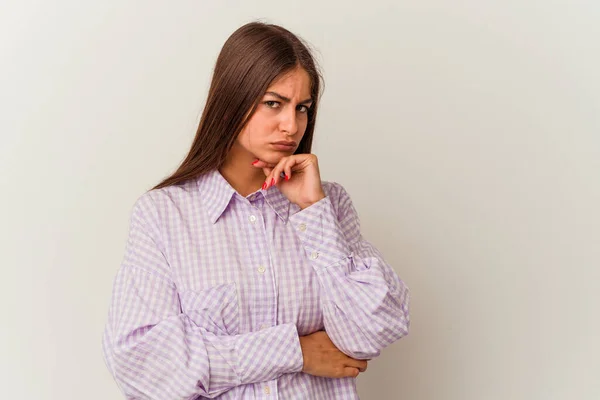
[[155, 351], [366, 306]]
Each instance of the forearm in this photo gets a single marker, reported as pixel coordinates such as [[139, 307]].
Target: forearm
[[364, 312], [157, 352], [366, 305]]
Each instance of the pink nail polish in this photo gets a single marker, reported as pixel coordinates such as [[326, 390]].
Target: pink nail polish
[[272, 181], [254, 162], [264, 186], [287, 178]]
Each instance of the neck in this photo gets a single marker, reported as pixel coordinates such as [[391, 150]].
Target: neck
[[240, 173]]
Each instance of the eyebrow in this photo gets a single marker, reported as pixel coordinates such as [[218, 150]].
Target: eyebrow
[[287, 100]]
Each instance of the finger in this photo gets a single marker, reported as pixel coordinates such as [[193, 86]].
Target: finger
[[288, 172], [302, 161], [267, 171], [268, 178], [278, 169], [287, 169], [276, 173], [351, 372], [364, 368], [262, 164], [360, 364]]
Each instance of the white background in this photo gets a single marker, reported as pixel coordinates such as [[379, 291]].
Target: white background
[[467, 133]]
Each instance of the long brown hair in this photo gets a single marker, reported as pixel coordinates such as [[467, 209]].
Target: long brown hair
[[250, 60]]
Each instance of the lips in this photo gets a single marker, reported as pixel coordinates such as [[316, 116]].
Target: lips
[[285, 143], [283, 147]]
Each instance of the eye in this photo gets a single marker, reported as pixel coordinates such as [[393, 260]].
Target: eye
[[272, 104], [303, 109]]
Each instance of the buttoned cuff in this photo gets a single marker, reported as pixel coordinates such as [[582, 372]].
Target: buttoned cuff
[[320, 232], [267, 354]]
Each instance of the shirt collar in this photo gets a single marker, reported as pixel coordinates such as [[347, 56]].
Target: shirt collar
[[217, 194]]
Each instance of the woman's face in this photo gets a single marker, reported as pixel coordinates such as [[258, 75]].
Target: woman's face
[[281, 116]]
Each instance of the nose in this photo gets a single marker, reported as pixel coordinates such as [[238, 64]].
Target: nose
[[288, 123]]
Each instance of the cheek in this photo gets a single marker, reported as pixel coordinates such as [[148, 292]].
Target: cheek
[[242, 138], [255, 132], [302, 124], [263, 125]]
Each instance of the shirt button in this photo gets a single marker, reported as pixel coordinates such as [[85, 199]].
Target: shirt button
[[267, 390], [302, 227], [261, 269], [252, 218], [314, 255]]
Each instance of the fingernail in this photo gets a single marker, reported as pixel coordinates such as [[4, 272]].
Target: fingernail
[[254, 162], [272, 181], [264, 185], [287, 178]]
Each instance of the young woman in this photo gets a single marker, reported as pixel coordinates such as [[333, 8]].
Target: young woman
[[245, 276]]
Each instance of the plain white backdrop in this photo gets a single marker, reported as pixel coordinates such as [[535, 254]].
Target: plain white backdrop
[[467, 133]]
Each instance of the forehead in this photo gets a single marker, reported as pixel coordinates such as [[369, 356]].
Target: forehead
[[294, 83]]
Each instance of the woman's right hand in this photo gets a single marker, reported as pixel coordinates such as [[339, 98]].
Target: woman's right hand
[[322, 358]]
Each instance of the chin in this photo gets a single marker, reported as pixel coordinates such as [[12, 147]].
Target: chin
[[273, 157]]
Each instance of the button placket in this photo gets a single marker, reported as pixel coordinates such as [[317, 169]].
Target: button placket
[[261, 260]]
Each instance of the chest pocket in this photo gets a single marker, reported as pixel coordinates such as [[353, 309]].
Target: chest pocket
[[215, 309]]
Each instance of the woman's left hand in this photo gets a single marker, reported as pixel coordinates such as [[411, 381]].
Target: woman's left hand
[[302, 184]]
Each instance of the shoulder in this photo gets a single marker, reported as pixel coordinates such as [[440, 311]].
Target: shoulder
[[338, 195], [155, 203]]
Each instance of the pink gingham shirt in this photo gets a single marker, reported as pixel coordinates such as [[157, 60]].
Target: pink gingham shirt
[[215, 289]]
